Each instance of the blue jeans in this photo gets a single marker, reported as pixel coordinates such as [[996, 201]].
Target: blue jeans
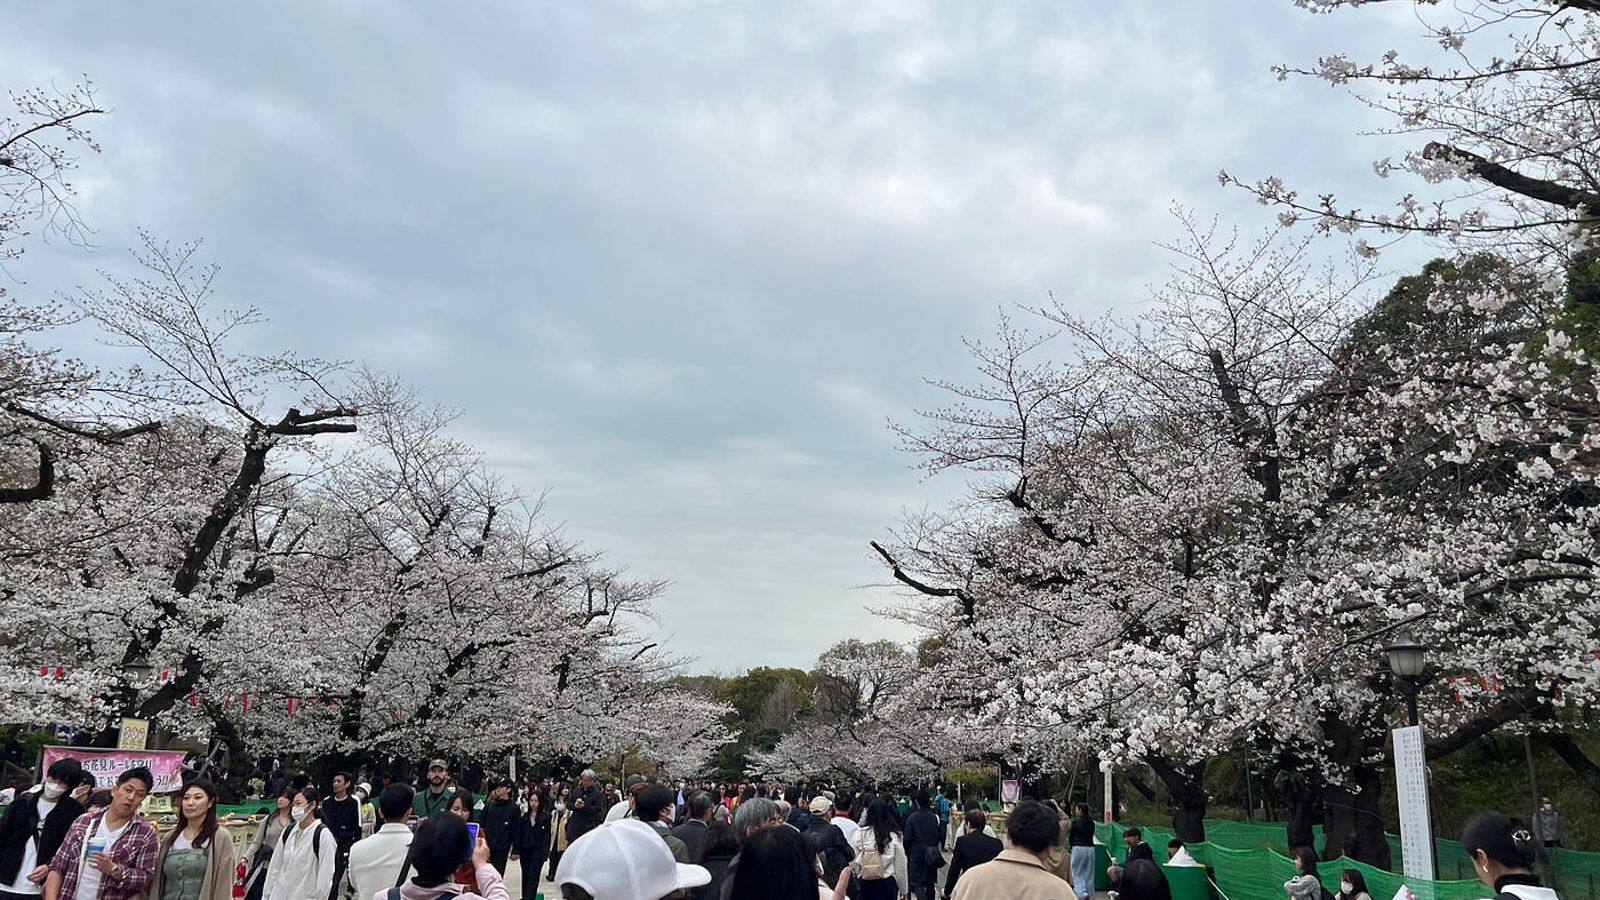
[[1083, 872]]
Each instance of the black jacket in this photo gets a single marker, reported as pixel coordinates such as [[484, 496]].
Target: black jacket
[[533, 838], [972, 849], [582, 821], [1081, 832], [828, 842], [1140, 850], [498, 822], [21, 822], [693, 834], [921, 835], [717, 865]]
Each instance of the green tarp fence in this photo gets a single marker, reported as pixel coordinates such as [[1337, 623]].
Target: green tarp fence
[[252, 809], [1251, 857]]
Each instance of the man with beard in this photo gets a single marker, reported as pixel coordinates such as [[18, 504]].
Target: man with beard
[[436, 799]]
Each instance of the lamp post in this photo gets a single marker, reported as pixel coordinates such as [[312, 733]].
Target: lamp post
[[138, 668], [134, 734], [1408, 660]]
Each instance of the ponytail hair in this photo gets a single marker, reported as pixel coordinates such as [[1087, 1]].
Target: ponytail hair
[[1508, 842]]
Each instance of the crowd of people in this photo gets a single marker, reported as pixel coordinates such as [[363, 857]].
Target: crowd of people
[[646, 839]]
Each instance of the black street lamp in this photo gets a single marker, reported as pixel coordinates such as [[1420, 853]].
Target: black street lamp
[[138, 668], [1407, 660]]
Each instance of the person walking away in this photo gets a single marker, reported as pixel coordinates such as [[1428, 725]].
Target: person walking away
[[303, 862], [1144, 880], [1306, 884], [195, 860], [499, 823], [342, 814], [716, 855], [584, 803], [1133, 839], [1547, 824], [843, 815], [532, 840], [439, 850], [436, 799], [1018, 872], [941, 808], [1502, 852], [378, 861], [267, 837], [653, 805], [777, 864], [697, 821], [922, 840], [110, 854], [974, 848], [559, 814], [1352, 886], [1080, 841], [880, 862], [827, 840], [33, 826]]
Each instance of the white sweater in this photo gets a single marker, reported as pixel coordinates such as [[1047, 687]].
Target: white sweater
[[894, 857]]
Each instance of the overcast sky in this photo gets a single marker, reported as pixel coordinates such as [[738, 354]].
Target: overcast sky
[[679, 263]]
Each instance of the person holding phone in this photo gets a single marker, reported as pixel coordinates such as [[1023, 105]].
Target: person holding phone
[[108, 855], [461, 808]]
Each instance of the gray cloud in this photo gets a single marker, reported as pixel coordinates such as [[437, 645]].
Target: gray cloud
[[678, 262]]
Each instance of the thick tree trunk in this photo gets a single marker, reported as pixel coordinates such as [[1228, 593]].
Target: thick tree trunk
[[1573, 755], [1300, 789], [1186, 796], [1354, 825]]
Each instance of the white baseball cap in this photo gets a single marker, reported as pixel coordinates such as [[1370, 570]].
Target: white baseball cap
[[626, 860]]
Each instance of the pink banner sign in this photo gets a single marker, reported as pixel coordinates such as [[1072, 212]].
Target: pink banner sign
[[106, 765]]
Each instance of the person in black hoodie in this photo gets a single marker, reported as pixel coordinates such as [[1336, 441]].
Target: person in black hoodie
[[973, 848], [717, 851], [33, 828], [922, 841], [499, 823]]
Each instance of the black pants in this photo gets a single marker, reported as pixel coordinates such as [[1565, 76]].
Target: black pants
[[341, 861], [555, 860], [922, 891], [532, 869]]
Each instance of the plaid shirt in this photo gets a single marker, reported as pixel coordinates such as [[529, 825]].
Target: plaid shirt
[[135, 851]]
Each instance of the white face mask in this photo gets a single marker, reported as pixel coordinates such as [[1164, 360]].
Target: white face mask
[[297, 813], [53, 790], [1345, 886]]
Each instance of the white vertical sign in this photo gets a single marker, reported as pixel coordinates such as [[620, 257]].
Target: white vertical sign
[[1411, 783]]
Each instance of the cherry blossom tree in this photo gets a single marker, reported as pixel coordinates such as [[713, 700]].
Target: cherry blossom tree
[[1195, 532]]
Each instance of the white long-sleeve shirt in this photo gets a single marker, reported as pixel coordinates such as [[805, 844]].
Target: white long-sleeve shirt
[[894, 856], [298, 873]]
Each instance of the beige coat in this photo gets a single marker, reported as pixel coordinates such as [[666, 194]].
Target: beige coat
[[220, 867], [1013, 875]]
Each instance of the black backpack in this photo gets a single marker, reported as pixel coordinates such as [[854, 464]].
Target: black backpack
[[316, 841]]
